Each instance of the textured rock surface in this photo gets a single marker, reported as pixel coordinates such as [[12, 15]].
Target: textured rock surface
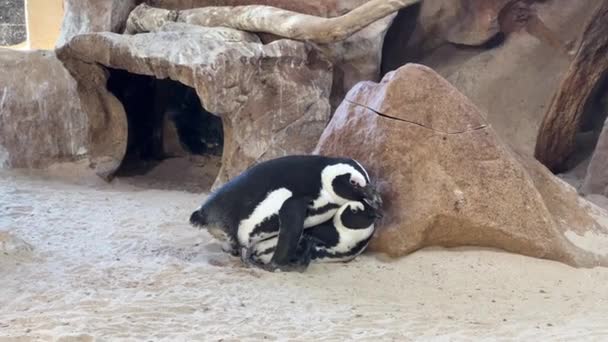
[[358, 58], [565, 115], [87, 16], [449, 180], [596, 180], [273, 99], [41, 119], [323, 8], [418, 30], [12, 22], [355, 59], [504, 81], [466, 22]]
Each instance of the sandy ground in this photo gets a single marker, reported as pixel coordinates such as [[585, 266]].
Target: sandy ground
[[116, 262]]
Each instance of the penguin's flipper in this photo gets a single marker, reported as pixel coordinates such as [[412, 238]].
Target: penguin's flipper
[[291, 218]]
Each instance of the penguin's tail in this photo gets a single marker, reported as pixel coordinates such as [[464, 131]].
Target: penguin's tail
[[198, 218]]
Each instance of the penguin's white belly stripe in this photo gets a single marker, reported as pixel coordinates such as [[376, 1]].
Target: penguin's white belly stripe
[[321, 201], [261, 236], [262, 247], [312, 221], [349, 238], [268, 207]]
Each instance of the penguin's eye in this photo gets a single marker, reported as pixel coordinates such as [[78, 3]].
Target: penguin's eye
[[354, 182]]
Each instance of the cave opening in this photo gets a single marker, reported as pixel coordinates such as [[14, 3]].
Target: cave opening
[[173, 141], [588, 133]]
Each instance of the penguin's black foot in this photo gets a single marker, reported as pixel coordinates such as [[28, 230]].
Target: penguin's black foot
[[291, 267], [300, 262], [249, 261]]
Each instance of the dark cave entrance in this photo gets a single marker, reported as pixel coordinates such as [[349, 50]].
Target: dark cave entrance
[[590, 127], [173, 142]]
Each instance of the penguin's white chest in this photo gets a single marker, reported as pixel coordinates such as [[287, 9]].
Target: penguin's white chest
[[349, 238], [271, 205], [323, 200]]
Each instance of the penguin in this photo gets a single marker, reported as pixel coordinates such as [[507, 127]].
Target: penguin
[[280, 198], [339, 240]]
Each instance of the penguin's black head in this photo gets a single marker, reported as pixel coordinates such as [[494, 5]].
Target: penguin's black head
[[348, 181], [359, 215]]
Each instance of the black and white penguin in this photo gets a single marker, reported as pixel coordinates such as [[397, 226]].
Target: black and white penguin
[[339, 240], [281, 197]]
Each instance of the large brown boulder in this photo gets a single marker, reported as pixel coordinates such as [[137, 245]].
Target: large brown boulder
[[449, 180], [41, 118], [273, 99]]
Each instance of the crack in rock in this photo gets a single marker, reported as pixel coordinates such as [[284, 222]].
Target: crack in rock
[[415, 123]]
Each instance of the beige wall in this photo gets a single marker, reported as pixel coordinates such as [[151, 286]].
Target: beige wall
[[43, 22]]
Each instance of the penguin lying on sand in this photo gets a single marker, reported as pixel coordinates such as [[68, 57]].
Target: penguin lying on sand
[[338, 240], [279, 198]]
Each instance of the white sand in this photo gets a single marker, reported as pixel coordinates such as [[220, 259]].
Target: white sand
[[116, 263]]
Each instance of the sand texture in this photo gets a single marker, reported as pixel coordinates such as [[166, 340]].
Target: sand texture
[[117, 262]]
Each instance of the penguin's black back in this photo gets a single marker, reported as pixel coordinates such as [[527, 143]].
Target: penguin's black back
[[237, 199]]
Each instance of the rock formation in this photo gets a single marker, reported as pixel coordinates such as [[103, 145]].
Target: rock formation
[[87, 16], [449, 180], [322, 8], [501, 76], [355, 59], [41, 118], [273, 99], [464, 22], [433, 23], [596, 180], [556, 137], [268, 19]]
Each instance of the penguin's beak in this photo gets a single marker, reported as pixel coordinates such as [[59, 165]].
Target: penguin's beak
[[371, 196]]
